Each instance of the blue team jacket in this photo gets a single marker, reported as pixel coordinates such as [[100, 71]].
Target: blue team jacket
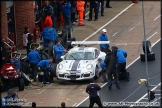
[[121, 57], [49, 33], [103, 65], [103, 37], [66, 8], [33, 57], [44, 63], [59, 51]]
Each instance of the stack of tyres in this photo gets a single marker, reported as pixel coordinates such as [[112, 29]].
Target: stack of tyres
[[40, 77], [24, 67], [149, 53], [43, 55]]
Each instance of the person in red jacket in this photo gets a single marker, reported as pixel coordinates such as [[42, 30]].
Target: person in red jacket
[[80, 9]]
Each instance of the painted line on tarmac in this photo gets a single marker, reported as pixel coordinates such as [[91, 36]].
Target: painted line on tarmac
[[45, 89], [98, 31], [74, 104], [135, 26], [108, 22], [157, 17], [146, 94], [114, 34], [126, 67]]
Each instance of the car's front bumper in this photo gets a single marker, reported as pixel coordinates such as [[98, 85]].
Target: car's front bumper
[[76, 76]]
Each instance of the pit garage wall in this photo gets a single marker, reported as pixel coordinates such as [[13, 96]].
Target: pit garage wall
[[4, 25], [24, 16]]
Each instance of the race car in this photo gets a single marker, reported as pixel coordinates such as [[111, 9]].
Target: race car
[[80, 63]]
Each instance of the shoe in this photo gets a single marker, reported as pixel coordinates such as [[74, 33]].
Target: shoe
[[108, 7], [102, 15], [95, 19], [118, 87], [73, 23], [127, 79], [104, 81], [51, 82], [89, 19], [110, 87], [34, 80], [31, 80]]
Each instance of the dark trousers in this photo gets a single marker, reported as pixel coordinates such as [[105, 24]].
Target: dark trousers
[[34, 70], [28, 48], [95, 10], [121, 67], [2, 62], [95, 100], [107, 3], [104, 49], [85, 6], [102, 6], [46, 76], [73, 17], [103, 72], [112, 73], [58, 60]]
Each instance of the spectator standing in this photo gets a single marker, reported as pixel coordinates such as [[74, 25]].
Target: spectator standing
[[85, 6], [108, 4], [73, 11], [59, 51], [102, 6], [93, 5], [27, 39], [44, 66], [3, 52], [46, 10], [49, 33], [37, 16], [80, 9], [103, 37], [92, 89], [33, 57], [55, 4], [66, 12]]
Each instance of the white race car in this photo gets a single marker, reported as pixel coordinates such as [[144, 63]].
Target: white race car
[[80, 63]]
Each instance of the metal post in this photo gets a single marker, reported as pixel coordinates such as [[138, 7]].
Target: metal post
[[145, 50]]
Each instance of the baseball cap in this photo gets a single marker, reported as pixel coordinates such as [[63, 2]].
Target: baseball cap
[[104, 30]]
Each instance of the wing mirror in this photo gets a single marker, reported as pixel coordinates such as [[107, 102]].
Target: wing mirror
[[62, 57]]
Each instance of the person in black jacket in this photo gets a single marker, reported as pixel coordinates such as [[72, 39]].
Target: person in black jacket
[[108, 4], [92, 89], [112, 69], [73, 11], [93, 5], [3, 52]]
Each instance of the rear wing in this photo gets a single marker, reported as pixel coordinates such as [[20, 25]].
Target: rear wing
[[89, 42]]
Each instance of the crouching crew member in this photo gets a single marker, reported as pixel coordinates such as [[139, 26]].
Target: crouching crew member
[[33, 57], [59, 51], [111, 69], [103, 71], [103, 37], [121, 62], [92, 89], [44, 66]]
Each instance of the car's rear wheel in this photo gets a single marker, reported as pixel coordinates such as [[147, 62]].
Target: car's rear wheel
[[96, 73]]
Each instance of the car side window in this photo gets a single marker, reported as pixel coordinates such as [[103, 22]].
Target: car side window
[[97, 52]]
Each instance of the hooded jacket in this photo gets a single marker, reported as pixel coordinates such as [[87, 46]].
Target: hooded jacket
[[66, 8], [103, 37], [49, 33]]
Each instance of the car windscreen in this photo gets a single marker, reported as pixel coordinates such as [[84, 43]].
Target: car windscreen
[[80, 56]]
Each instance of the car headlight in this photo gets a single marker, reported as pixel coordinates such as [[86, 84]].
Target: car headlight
[[86, 72], [60, 66], [89, 66]]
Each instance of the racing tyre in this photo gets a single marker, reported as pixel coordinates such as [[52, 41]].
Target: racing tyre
[[96, 73], [24, 67], [21, 85], [53, 69], [26, 78], [50, 48], [150, 56], [61, 41], [3, 87], [65, 34], [44, 55], [148, 47], [40, 77]]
